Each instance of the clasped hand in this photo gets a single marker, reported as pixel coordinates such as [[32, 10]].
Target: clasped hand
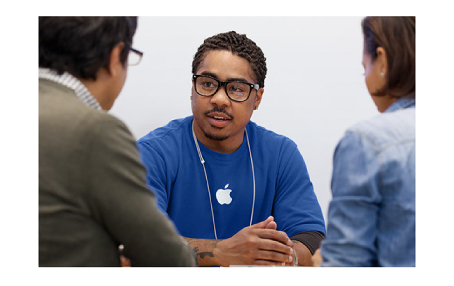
[[259, 244]]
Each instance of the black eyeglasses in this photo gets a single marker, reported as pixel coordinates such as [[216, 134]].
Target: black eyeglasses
[[236, 90], [134, 56]]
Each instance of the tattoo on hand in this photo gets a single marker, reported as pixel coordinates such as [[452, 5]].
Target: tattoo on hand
[[203, 254]]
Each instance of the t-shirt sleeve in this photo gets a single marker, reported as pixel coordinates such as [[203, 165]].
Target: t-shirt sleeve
[[156, 176], [296, 208], [311, 239]]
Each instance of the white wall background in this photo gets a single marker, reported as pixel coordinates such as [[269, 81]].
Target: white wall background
[[314, 88]]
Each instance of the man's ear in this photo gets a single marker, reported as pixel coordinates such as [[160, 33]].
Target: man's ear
[[258, 97], [114, 59]]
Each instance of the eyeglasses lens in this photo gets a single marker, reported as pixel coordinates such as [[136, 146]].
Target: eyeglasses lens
[[207, 86]]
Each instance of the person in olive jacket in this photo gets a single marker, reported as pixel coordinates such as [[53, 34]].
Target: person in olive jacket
[[93, 196]]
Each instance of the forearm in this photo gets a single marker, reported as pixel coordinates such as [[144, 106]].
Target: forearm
[[303, 253], [253, 245], [306, 243], [204, 251]]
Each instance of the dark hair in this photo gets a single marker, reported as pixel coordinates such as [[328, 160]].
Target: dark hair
[[396, 35], [82, 45], [237, 44]]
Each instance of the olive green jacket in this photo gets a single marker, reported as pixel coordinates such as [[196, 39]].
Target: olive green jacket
[[93, 194]]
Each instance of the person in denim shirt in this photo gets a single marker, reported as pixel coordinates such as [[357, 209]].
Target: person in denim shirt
[[371, 218]]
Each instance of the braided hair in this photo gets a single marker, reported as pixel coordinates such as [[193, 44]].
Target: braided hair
[[237, 44]]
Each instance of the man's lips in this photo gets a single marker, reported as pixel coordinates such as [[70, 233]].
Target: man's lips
[[219, 116], [218, 119]]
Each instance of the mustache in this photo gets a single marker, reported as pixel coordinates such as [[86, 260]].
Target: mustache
[[219, 110]]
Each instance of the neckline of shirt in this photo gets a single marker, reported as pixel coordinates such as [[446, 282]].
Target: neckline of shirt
[[401, 103], [71, 82], [209, 154]]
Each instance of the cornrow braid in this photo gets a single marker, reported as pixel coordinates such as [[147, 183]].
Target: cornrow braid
[[237, 44]]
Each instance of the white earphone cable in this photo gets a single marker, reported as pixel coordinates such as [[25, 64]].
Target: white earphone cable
[[253, 178], [208, 185], [206, 178]]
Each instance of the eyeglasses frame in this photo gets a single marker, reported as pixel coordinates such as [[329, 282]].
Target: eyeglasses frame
[[139, 53], [224, 83]]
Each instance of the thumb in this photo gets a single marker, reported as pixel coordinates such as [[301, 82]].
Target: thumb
[[264, 223]]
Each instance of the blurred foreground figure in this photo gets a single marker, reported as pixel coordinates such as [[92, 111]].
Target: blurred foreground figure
[[93, 196], [371, 218]]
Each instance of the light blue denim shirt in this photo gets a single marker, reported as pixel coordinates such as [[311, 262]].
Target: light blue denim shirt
[[371, 218]]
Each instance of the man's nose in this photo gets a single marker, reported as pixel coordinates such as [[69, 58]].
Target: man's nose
[[220, 98]]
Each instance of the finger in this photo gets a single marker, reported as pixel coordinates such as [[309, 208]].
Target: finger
[[276, 235], [271, 225], [269, 263], [275, 246], [317, 258], [264, 223], [274, 256], [125, 262]]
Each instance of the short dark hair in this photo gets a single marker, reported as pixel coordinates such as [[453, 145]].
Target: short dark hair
[[82, 45], [396, 35], [237, 44]]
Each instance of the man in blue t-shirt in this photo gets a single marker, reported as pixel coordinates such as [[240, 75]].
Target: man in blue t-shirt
[[238, 193]]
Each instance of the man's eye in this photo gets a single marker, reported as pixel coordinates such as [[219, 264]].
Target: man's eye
[[236, 89], [208, 84]]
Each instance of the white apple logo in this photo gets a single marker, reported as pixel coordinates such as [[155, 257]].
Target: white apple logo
[[223, 195]]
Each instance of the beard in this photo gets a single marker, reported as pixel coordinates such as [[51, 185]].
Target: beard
[[216, 137]]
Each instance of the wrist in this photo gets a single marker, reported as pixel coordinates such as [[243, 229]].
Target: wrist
[[218, 254], [295, 257], [304, 254]]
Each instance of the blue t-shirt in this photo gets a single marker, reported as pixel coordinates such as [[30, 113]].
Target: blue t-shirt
[[176, 175]]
